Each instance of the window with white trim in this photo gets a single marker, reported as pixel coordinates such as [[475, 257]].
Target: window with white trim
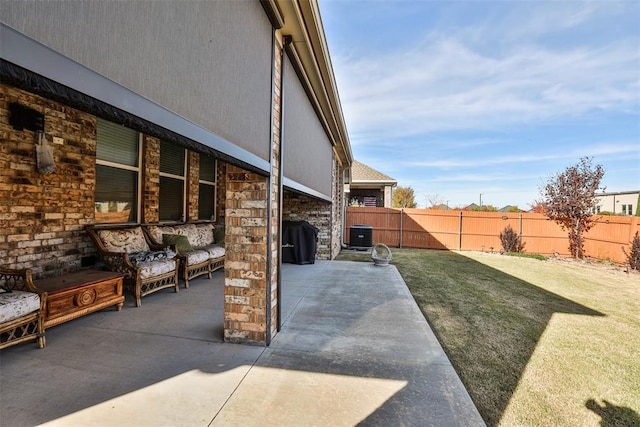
[[627, 210], [207, 188], [172, 182], [117, 173]]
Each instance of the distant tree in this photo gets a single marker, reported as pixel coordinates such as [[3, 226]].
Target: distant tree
[[404, 197], [433, 200], [568, 198], [483, 208], [638, 206], [537, 206], [513, 209]]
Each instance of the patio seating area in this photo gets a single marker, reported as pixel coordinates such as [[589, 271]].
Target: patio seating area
[[353, 348]]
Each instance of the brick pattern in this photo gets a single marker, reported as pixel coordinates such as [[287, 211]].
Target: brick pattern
[[221, 190], [297, 207], [151, 179], [338, 206], [274, 245], [42, 217], [193, 182], [245, 288]]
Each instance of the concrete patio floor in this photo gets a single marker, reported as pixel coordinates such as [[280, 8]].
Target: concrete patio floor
[[354, 349]]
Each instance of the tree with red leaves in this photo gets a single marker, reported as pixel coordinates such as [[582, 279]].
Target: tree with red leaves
[[568, 199]]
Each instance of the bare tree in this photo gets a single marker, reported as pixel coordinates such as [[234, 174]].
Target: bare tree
[[404, 197], [433, 200], [568, 198]]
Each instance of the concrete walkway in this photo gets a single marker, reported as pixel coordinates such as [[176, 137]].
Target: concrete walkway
[[354, 349]]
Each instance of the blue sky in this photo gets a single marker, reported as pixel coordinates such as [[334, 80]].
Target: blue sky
[[461, 98]]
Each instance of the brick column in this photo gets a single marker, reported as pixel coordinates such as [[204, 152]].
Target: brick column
[[221, 190], [150, 179], [193, 182], [275, 196], [246, 242]]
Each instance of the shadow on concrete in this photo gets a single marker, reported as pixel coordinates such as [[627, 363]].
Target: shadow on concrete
[[494, 326], [354, 349]]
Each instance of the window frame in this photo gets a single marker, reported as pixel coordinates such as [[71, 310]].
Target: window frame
[[176, 177], [213, 184], [137, 169]]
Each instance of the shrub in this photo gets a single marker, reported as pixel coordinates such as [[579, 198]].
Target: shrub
[[633, 257], [510, 240]]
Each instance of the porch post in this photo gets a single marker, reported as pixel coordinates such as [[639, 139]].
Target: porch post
[[246, 243]]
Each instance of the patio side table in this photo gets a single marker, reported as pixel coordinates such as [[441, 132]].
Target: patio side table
[[74, 295]]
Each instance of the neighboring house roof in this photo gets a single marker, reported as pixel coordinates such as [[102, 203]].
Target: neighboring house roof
[[363, 174], [509, 208], [618, 193]]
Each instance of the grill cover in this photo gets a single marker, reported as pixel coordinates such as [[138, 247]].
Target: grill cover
[[299, 242]]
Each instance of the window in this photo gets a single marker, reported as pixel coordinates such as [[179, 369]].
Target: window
[[627, 210], [172, 182], [117, 173], [207, 188]]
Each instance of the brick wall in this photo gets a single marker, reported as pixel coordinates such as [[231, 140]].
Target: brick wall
[[338, 209], [297, 207], [245, 268], [274, 215], [221, 190], [193, 182], [327, 217], [42, 217], [150, 179]]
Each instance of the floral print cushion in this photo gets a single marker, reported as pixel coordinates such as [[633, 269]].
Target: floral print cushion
[[214, 251], [198, 235], [15, 304], [196, 257], [138, 258], [203, 235], [156, 268], [156, 232], [125, 240]]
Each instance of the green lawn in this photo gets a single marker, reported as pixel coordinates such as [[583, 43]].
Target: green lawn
[[536, 343]]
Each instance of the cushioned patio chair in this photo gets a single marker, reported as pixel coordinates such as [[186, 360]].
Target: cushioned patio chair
[[198, 249], [22, 309], [148, 267]]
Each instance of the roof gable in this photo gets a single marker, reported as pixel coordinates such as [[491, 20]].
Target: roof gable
[[363, 173]]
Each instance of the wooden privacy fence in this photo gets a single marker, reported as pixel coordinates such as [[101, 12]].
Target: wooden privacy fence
[[480, 231]]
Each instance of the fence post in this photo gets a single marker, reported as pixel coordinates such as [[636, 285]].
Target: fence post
[[633, 228], [460, 233], [520, 225], [401, 215]]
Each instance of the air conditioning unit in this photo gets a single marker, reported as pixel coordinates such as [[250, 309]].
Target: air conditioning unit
[[361, 236]]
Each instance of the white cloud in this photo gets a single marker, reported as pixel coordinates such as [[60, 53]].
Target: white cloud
[[441, 83], [591, 151]]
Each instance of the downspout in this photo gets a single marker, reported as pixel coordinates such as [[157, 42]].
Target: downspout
[[460, 233], [286, 42], [401, 230], [345, 204]]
